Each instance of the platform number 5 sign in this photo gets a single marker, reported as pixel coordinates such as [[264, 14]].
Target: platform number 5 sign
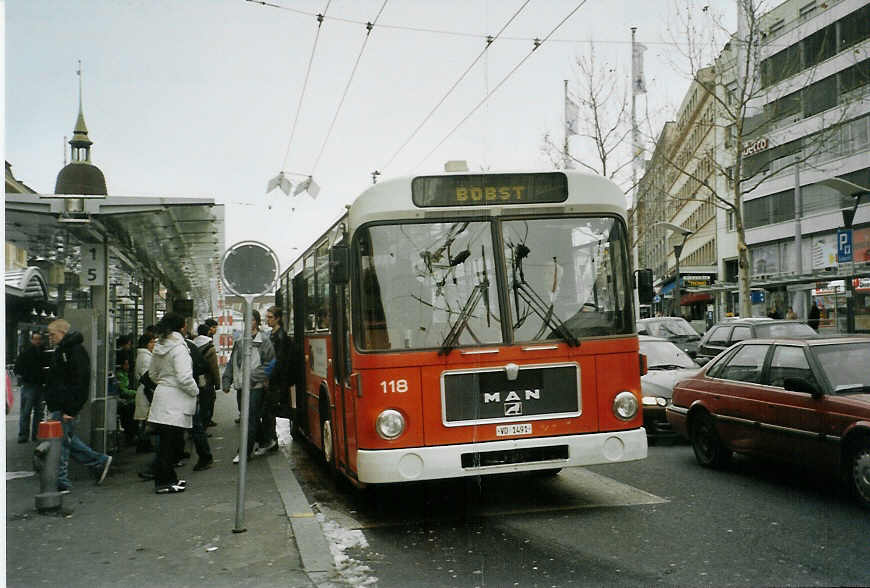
[[93, 262]]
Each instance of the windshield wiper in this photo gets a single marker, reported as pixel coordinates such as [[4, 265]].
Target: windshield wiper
[[668, 366], [852, 389], [545, 311], [480, 291]]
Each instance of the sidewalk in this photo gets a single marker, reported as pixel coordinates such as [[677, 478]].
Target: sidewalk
[[121, 533]]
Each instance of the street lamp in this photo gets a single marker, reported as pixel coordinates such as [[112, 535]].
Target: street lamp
[[851, 190], [678, 249]]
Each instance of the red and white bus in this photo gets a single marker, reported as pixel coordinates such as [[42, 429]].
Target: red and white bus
[[463, 324]]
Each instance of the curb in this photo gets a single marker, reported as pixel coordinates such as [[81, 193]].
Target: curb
[[313, 549]]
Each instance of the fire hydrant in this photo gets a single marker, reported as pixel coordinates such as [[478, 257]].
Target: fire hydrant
[[46, 458]]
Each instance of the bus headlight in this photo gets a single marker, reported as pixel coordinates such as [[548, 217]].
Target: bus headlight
[[390, 424], [625, 405]]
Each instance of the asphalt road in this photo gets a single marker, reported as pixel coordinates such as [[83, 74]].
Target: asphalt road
[[664, 520]]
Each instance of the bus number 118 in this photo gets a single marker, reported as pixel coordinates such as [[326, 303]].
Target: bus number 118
[[393, 386]]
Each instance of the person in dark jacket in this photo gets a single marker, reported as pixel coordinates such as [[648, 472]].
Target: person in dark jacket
[[67, 386], [29, 367], [815, 316], [278, 389]]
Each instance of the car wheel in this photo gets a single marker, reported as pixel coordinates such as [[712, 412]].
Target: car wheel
[[860, 473], [708, 448]]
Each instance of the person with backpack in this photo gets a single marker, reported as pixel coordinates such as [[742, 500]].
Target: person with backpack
[[199, 435], [262, 353], [174, 402], [207, 395]]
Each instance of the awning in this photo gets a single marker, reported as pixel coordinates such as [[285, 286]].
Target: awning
[[696, 297], [27, 283]]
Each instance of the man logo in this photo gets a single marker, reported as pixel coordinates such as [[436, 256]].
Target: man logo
[[513, 408]]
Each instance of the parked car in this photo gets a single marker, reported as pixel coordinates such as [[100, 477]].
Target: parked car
[[804, 401], [723, 335], [675, 329], [666, 364]]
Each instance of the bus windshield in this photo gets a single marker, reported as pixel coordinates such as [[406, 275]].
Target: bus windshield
[[567, 278], [435, 284]]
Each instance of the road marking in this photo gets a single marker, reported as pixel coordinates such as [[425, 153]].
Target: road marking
[[572, 489]]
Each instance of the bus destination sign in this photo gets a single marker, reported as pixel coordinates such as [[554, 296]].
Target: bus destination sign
[[489, 189]]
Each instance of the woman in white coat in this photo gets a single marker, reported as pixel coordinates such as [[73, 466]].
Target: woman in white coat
[[174, 402], [143, 405]]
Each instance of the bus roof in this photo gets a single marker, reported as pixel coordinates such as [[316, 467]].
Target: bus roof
[[391, 199]]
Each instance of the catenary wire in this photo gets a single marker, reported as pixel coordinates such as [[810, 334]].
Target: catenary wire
[[369, 27], [472, 35], [537, 44], [489, 41], [320, 19]]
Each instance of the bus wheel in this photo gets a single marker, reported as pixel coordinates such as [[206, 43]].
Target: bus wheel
[[326, 443]]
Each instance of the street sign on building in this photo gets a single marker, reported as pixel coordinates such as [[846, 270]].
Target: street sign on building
[[844, 245]]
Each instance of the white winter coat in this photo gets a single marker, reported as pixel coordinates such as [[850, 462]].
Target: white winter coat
[[172, 370], [143, 362]]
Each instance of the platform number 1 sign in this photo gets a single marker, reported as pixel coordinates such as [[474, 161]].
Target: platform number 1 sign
[[93, 262]]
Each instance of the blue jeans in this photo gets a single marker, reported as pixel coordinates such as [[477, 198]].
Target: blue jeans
[[31, 402], [74, 447]]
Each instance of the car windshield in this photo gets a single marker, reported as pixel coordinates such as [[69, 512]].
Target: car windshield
[[435, 284], [670, 328], [845, 365], [661, 354], [784, 330]]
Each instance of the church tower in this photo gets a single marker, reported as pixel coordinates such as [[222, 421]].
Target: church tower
[[80, 176]]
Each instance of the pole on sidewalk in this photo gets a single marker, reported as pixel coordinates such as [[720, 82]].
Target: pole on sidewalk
[[243, 418], [46, 459]]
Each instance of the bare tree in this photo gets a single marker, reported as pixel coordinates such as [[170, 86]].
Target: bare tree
[[603, 131], [733, 79]]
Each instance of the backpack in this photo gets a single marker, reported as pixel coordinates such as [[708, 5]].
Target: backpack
[[148, 386], [200, 365]]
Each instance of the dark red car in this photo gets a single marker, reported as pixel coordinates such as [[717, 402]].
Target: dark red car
[[805, 401]]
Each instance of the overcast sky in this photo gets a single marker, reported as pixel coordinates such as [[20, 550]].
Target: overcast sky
[[198, 97]]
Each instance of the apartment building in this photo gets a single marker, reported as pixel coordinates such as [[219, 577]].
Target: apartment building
[[813, 124]]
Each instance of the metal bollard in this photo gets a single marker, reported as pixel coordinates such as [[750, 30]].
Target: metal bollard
[[46, 458]]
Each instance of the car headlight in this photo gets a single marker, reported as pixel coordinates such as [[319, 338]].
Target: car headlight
[[625, 405], [390, 424], [649, 401]]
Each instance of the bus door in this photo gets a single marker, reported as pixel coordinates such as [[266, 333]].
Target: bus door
[[344, 396], [301, 416]]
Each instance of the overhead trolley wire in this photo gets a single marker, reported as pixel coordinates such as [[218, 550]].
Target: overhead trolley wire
[[489, 41], [447, 32], [320, 18], [535, 46], [369, 27]]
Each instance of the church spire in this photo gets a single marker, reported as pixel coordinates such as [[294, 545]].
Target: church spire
[[81, 144]]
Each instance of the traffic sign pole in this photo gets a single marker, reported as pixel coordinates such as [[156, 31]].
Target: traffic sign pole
[[249, 269]]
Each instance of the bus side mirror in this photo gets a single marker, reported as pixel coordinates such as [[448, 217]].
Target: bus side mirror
[[339, 257], [645, 286]]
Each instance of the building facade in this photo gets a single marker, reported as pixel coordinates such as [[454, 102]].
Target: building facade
[[812, 123]]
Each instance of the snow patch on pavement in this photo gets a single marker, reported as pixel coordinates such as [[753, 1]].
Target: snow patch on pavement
[[340, 539]]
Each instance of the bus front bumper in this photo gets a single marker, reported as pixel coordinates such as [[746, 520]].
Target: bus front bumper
[[497, 457]]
